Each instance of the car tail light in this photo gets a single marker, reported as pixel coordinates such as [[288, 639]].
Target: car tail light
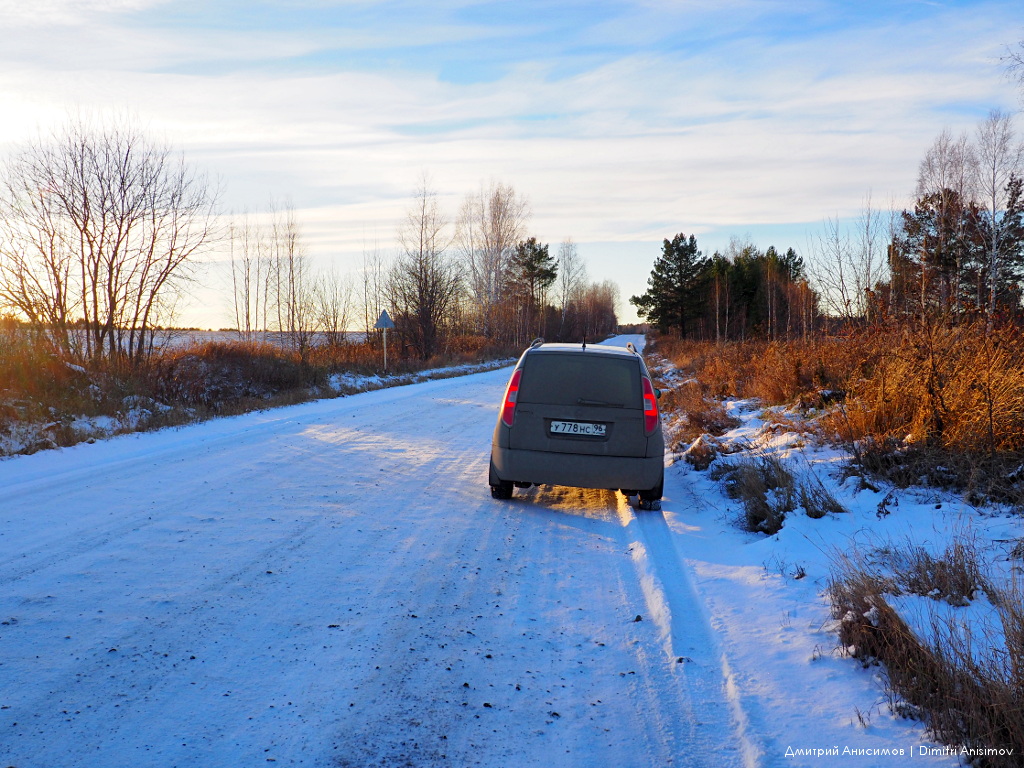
[[650, 407], [508, 406]]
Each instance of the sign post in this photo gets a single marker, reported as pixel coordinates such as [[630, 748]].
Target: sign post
[[383, 323]]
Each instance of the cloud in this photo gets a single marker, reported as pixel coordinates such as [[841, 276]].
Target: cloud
[[623, 124], [44, 13]]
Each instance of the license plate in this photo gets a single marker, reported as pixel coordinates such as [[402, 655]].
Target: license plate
[[577, 428]]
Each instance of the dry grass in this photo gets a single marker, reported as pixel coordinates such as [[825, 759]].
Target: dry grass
[[947, 388], [817, 499], [42, 392], [966, 685], [775, 372], [928, 404], [764, 486], [693, 414]]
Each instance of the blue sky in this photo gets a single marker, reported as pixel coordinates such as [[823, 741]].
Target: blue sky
[[622, 122]]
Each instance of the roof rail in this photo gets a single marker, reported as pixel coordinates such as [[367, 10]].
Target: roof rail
[[631, 348], [536, 342]]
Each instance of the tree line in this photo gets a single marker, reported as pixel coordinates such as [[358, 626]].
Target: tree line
[[102, 229], [955, 255], [481, 274], [743, 293], [959, 253]]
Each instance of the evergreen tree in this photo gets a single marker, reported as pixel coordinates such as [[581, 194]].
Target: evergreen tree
[[942, 241], [533, 271], [677, 287]]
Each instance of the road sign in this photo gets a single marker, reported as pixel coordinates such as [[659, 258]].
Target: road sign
[[383, 323]]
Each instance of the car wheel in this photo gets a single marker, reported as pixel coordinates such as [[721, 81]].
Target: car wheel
[[652, 499], [500, 489]]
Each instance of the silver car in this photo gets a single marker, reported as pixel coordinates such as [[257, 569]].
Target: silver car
[[579, 415]]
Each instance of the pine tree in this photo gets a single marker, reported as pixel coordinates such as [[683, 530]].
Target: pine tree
[[533, 272], [677, 287]]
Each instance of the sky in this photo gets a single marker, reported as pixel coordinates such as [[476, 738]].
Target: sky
[[623, 123]]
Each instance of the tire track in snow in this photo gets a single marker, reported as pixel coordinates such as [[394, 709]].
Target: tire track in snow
[[686, 634], [336, 611], [50, 479]]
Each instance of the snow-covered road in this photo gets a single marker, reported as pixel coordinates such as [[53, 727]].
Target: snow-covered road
[[331, 584]]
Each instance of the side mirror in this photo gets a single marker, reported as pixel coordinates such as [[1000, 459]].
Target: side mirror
[[657, 394]]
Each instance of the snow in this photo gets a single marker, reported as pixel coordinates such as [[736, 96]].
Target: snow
[[330, 584]]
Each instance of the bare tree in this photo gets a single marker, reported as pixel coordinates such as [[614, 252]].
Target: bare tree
[[490, 225], [599, 315], [998, 161], [372, 287], [1014, 61], [250, 272], [869, 252], [831, 268], [849, 262], [333, 306], [572, 276], [424, 284], [37, 273], [293, 282], [100, 226]]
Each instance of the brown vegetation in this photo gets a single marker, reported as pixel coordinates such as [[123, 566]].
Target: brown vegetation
[[966, 688], [933, 403], [43, 392]]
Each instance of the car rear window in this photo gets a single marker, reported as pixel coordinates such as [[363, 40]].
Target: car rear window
[[580, 379]]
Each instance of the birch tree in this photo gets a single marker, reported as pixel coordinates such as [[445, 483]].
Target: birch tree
[[946, 179], [491, 223], [998, 162], [572, 276]]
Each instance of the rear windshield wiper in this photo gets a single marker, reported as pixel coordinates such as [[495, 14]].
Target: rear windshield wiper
[[584, 401]]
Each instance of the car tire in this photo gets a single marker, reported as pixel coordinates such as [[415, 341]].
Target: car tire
[[652, 499], [500, 489]]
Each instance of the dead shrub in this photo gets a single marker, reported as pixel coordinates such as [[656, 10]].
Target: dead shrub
[[44, 391], [218, 373], [34, 376], [981, 477], [777, 372], [765, 488], [701, 453], [957, 388], [769, 490], [955, 575], [964, 683], [929, 402]]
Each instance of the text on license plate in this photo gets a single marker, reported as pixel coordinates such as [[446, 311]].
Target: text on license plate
[[577, 428]]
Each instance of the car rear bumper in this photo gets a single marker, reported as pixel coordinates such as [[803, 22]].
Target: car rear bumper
[[580, 471]]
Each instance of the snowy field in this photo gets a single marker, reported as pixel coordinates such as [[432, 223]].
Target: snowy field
[[330, 584]]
